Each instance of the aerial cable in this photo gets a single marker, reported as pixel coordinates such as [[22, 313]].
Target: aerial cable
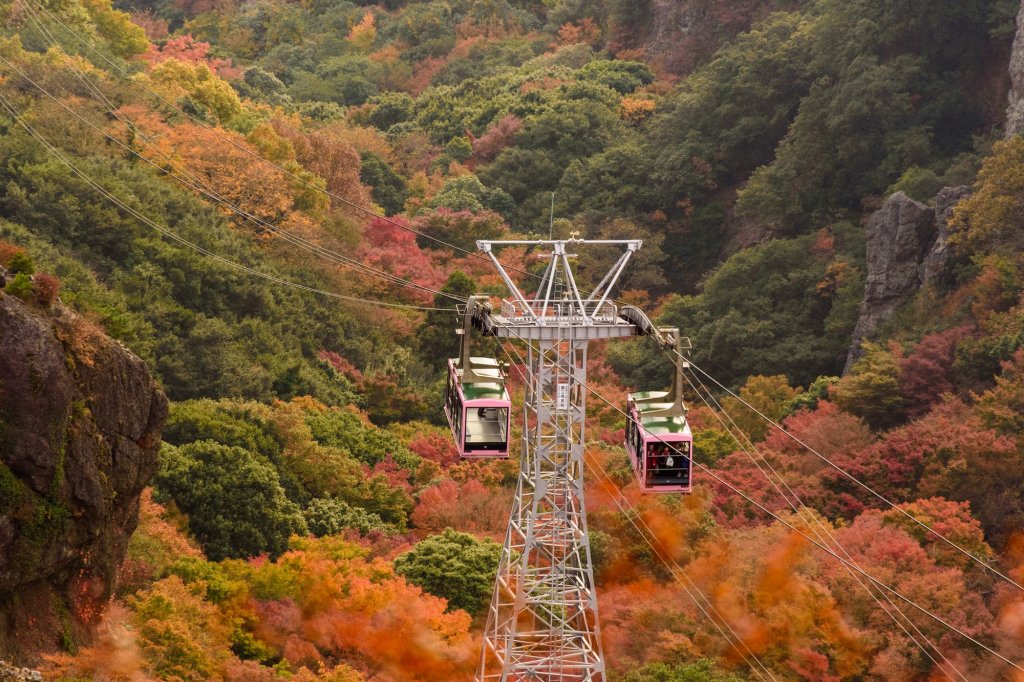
[[818, 534], [863, 485], [395, 223], [629, 512], [827, 550], [13, 111], [112, 109], [820, 528], [806, 537], [202, 188], [255, 155], [675, 571], [734, 641], [288, 236], [674, 567], [856, 577]]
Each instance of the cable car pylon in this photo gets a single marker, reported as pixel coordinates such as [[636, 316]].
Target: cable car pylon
[[542, 623]]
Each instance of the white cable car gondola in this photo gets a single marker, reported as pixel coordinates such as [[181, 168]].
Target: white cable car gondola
[[476, 401], [658, 437]]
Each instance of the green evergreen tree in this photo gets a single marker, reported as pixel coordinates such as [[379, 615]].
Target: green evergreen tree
[[233, 497], [455, 566]]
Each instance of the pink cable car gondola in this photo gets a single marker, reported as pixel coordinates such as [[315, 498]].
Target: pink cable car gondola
[[477, 403], [658, 437]]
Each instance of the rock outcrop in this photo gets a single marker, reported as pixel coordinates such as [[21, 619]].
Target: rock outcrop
[[1015, 112], [80, 421], [9, 673], [906, 248]]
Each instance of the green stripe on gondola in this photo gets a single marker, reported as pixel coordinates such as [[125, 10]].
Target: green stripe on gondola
[[657, 423], [484, 390]]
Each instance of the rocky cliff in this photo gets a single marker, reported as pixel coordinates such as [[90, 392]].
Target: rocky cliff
[[906, 249], [80, 421], [9, 673], [1015, 112]]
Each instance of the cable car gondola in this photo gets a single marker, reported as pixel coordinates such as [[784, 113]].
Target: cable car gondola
[[476, 401], [658, 437]]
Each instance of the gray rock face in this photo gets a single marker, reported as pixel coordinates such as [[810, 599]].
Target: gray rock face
[[937, 258], [1015, 112], [906, 249], [80, 421], [898, 236], [9, 673]]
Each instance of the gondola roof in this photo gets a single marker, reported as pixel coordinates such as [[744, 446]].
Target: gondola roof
[[664, 425]]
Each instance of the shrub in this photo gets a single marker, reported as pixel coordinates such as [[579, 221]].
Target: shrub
[[328, 516], [8, 251], [233, 497], [20, 286], [21, 263], [871, 390], [768, 395], [47, 287], [710, 445], [815, 393]]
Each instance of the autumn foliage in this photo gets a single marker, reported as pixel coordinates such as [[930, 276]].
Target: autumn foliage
[[187, 49], [745, 142]]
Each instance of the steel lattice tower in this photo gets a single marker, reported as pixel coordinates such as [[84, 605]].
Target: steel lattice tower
[[542, 623]]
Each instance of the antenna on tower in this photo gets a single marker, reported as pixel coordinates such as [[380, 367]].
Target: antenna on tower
[[551, 218]]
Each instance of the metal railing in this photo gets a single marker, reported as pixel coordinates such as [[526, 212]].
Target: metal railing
[[563, 310]]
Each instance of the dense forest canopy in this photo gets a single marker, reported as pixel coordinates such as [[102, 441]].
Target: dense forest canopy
[[232, 188]]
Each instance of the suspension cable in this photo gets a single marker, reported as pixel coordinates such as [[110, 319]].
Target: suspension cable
[[180, 239], [861, 484], [195, 180], [819, 528], [827, 550], [804, 535], [298, 178], [13, 111], [204, 189], [691, 589]]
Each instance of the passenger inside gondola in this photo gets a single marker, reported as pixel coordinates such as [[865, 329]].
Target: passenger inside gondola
[[654, 453], [668, 464]]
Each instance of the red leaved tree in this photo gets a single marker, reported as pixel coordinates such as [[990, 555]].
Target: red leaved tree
[[926, 374], [467, 507]]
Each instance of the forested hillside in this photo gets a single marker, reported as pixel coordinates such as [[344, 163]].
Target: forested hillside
[[275, 205]]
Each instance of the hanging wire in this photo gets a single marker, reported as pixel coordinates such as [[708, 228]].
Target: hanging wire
[[849, 565], [243, 148], [817, 525], [204, 189], [691, 589], [861, 484], [13, 111], [809, 539]]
